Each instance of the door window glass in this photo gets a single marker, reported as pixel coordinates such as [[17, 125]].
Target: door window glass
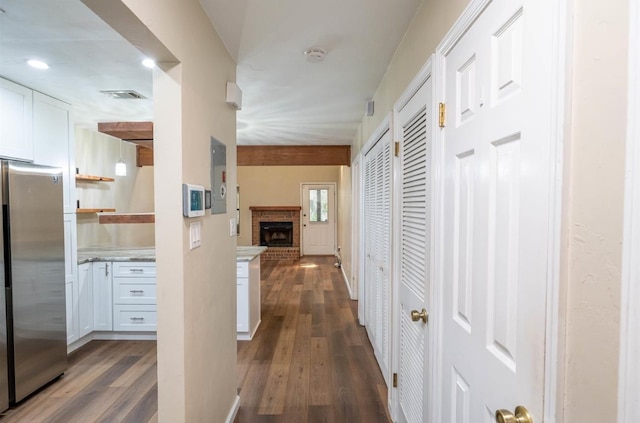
[[319, 205]]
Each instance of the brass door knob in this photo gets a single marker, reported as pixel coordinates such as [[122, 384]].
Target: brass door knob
[[522, 416], [419, 315]]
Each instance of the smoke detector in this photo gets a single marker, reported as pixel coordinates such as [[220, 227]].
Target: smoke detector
[[315, 54], [124, 94]]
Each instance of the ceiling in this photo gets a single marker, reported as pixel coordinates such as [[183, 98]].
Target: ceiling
[[287, 100]]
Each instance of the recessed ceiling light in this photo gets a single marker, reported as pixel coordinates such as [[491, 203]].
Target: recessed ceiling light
[[315, 54], [149, 63], [37, 64]]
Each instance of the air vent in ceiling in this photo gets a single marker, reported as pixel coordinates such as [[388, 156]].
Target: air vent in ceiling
[[124, 94]]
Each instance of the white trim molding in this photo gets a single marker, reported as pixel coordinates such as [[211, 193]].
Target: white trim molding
[[234, 410], [629, 369]]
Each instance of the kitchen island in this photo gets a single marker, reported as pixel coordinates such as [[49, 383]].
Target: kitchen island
[[248, 291]]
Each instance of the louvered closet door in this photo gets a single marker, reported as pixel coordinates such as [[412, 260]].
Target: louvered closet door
[[377, 215], [416, 120]]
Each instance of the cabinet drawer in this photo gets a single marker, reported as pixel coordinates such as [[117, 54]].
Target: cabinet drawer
[[134, 269], [242, 269], [133, 293], [134, 317]]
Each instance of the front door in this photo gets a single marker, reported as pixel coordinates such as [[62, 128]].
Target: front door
[[318, 219], [496, 216], [415, 120]]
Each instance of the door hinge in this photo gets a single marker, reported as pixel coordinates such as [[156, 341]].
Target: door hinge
[[442, 115], [396, 146], [395, 380]]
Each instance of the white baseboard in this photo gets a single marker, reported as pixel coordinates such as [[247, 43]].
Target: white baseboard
[[111, 336], [125, 336], [346, 281], [245, 336], [79, 343], [234, 410]]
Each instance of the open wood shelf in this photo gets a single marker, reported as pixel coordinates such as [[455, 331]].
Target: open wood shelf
[[93, 178], [95, 210], [127, 218]]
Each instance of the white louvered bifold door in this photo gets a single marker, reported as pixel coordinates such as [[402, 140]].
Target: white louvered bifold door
[[377, 241], [415, 119]]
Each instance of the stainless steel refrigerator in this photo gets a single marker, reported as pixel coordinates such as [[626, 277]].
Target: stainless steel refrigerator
[[33, 348]]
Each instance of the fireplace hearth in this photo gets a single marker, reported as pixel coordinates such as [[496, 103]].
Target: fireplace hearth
[[276, 234]]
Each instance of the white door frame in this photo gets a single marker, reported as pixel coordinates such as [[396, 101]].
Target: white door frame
[[554, 344], [414, 86], [356, 206], [358, 224], [335, 213], [629, 368]]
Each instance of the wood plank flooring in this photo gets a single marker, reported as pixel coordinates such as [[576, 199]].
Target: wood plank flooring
[[309, 362], [107, 381]]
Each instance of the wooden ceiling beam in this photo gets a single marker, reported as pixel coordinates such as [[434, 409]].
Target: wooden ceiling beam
[[128, 131], [299, 155]]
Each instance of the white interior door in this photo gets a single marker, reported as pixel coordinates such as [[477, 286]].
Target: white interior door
[[496, 211], [318, 219], [377, 248], [415, 121]]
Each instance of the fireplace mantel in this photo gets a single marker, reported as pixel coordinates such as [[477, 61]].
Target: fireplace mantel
[[275, 208]]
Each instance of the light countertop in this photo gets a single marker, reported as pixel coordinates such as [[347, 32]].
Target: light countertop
[[87, 255], [249, 253]]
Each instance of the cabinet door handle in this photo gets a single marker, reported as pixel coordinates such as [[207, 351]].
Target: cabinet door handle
[[136, 319], [136, 291], [106, 269], [136, 270]]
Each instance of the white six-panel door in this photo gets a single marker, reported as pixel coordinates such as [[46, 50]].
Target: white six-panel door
[[415, 123], [496, 212], [377, 248]]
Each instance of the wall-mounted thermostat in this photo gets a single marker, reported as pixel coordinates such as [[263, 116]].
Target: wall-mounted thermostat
[[192, 200]]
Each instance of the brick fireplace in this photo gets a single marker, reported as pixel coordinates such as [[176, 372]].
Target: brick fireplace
[[277, 214]]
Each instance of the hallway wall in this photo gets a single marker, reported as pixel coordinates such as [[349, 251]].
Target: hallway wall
[[275, 186], [592, 193], [594, 210], [196, 293]]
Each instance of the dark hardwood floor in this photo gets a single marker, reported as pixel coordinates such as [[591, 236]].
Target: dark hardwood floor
[[107, 381], [309, 361]]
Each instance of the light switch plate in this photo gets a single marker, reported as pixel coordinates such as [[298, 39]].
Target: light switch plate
[[195, 231], [232, 227]]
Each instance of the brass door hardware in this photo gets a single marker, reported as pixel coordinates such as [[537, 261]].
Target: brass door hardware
[[419, 315], [522, 416]]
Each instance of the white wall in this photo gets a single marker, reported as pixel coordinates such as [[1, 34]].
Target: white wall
[[592, 259], [275, 186], [196, 288], [97, 154]]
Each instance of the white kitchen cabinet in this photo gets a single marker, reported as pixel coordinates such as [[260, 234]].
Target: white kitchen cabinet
[[16, 121], [71, 276], [248, 298], [53, 142], [134, 296], [137, 318], [85, 299], [102, 296], [71, 302]]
